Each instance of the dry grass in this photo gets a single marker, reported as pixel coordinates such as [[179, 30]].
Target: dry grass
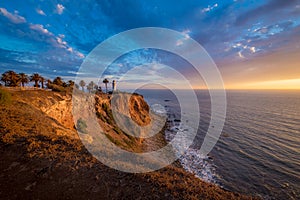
[[5, 97]]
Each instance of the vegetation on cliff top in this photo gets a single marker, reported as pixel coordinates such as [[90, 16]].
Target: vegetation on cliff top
[[12, 79]]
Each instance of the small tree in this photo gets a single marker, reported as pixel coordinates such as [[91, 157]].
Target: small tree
[[5, 78], [14, 78], [42, 80], [23, 79], [58, 81], [82, 84], [10, 78], [71, 83], [49, 84], [91, 86], [96, 87], [36, 78], [105, 81]]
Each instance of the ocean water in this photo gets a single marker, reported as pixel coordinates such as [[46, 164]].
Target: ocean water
[[258, 152]]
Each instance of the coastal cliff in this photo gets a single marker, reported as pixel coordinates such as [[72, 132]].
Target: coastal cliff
[[42, 156]]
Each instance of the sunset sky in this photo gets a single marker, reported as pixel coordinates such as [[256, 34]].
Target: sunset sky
[[255, 44]]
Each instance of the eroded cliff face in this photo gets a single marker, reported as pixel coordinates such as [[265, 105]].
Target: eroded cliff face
[[119, 116], [133, 106], [60, 110], [112, 113], [130, 105], [55, 105], [59, 106], [125, 119]]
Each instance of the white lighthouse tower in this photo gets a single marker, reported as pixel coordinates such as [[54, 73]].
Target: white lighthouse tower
[[114, 85]]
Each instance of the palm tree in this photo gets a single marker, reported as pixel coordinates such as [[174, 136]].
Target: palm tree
[[36, 78], [49, 84], [82, 84], [71, 83], [23, 79], [92, 85], [89, 88], [42, 80], [5, 78], [105, 81], [11, 78], [14, 78], [58, 81], [96, 87]]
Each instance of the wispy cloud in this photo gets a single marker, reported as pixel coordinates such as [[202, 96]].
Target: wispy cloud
[[252, 49], [243, 49], [209, 8], [40, 11], [185, 37], [55, 41], [60, 9], [13, 17], [40, 28], [241, 55], [36, 33], [71, 50]]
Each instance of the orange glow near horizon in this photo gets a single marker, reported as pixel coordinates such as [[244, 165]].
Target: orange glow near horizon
[[289, 84]]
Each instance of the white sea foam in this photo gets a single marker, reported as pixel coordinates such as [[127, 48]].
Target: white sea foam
[[192, 160], [159, 109]]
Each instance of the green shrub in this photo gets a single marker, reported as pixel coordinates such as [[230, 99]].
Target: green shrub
[[81, 126], [5, 97]]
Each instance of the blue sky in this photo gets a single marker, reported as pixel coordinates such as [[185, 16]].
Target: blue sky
[[53, 37]]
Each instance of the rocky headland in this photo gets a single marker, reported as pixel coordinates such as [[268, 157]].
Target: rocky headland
[[43, 157]]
